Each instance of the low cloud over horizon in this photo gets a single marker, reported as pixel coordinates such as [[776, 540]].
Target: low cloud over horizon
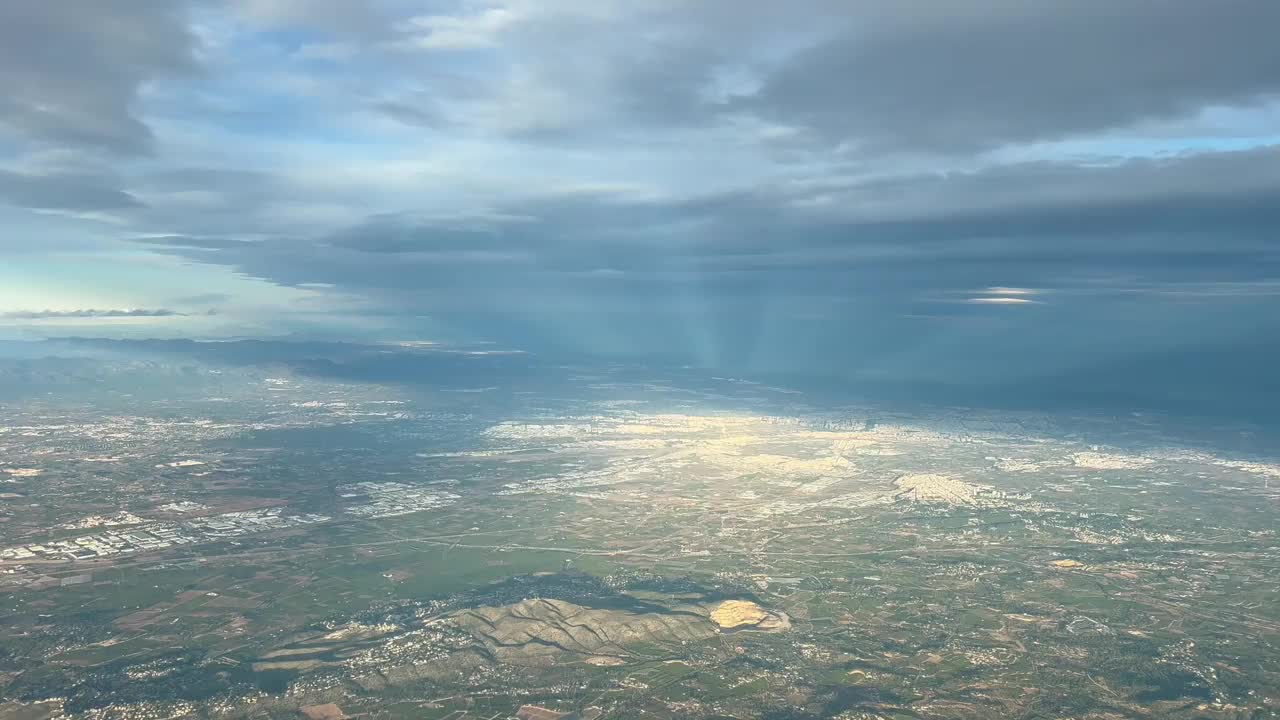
[[986, 189], [89, 313]]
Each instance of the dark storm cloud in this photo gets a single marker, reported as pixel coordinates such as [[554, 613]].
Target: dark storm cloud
[[71, 71], [983, 74], [907, 236], [1224, 193]]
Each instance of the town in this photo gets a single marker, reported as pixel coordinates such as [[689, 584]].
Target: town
[[160, 535]]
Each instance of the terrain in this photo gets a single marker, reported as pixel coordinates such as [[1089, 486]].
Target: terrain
[[266, 540]]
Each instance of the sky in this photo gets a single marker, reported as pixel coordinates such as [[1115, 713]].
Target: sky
[[974, 190]]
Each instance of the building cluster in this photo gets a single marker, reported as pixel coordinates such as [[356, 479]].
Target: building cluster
[[160, 535], [182, 506], [387, 499], [129, 533]]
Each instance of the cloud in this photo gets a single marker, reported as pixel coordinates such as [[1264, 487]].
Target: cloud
[[1044, 219], [416, 112], [203, 299], [362, 19], [64, 191], [762, 184], [999, 301], [1012, 291], [453, 32], [986, 73], [871, 78], [406, 233], [1004, 296], [73, 71], [89, 313], [193, 243]]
